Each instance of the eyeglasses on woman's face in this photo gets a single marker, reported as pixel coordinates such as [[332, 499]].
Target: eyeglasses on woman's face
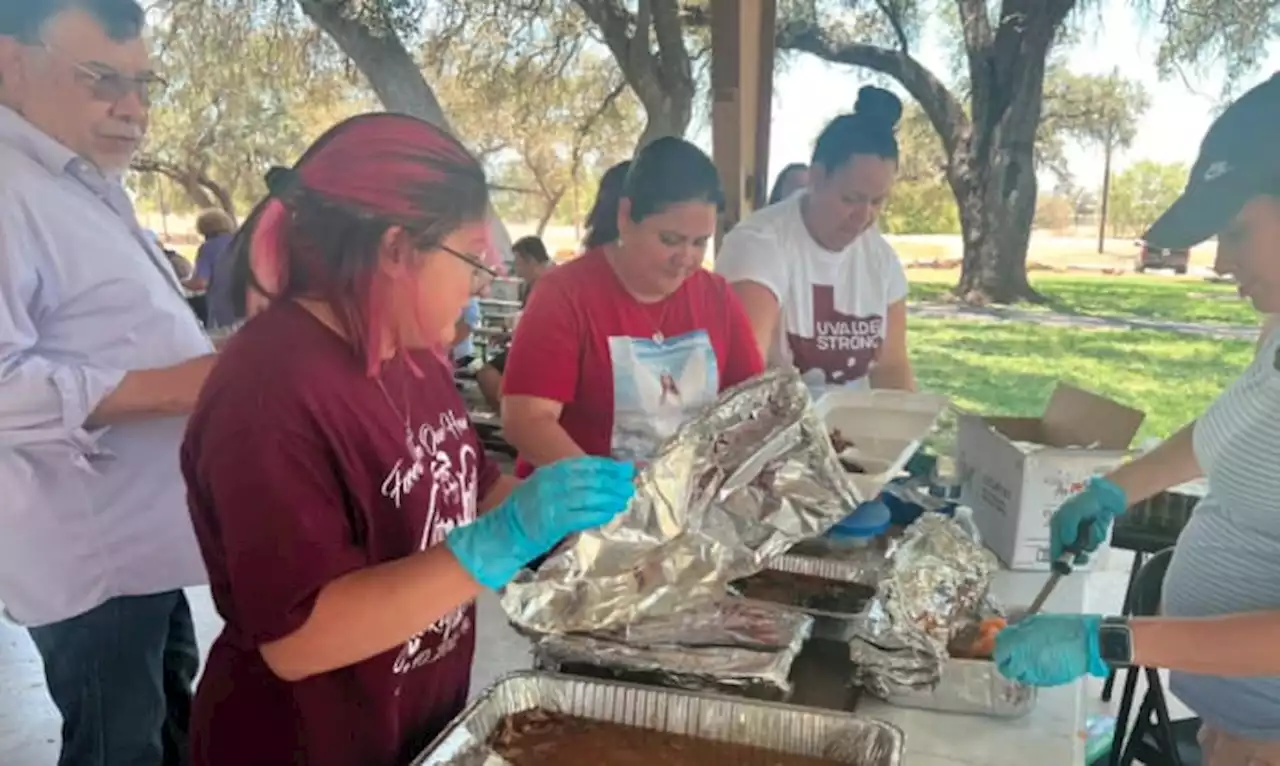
[[482, 274]]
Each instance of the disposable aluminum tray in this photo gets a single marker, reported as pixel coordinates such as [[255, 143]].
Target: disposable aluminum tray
[[842, 737], [973, 687], [837, 626]]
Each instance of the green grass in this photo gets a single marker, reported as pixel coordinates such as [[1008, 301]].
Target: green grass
[[1129, 297], [1011, 368]]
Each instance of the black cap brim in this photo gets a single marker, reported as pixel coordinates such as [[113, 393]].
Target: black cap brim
[[1197, 215]]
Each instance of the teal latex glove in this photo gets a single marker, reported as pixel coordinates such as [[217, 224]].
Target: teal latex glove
[[1050, 649], [1101, 502], [556, 501]]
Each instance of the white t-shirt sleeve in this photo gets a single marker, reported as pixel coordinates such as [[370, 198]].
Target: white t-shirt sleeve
[[748, 255]]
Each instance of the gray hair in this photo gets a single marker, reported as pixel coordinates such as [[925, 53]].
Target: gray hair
[[25, 19]]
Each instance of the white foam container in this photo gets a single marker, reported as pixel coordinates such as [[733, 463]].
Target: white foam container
[[886, 427]]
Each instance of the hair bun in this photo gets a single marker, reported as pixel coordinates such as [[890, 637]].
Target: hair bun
[[878, 105]]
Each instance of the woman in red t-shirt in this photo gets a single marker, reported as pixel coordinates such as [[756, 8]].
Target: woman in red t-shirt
[[344, 507], [620, 346]]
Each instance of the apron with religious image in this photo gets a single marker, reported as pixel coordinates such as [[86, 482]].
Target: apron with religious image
[[658, 384]]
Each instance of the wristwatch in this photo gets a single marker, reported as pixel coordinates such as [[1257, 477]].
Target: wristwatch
[[1115, 642]]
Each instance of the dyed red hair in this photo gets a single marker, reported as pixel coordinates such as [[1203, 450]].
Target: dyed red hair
[[319, 234]]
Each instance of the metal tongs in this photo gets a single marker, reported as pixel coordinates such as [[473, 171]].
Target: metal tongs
[[1061, 567]]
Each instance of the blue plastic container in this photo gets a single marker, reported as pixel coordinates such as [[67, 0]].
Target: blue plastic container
[[904, 512], [867, 522]]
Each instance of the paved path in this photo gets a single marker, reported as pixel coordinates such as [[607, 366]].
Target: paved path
[[1003, 314]]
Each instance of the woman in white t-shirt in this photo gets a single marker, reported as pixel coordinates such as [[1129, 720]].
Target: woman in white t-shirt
[[823, 289]]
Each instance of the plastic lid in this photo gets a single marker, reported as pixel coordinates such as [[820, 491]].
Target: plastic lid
[[867, 520]]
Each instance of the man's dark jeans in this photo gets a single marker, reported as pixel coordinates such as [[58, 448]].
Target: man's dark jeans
[[121, 675]]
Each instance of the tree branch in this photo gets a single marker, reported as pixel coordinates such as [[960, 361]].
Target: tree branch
[[627, 38], [380, 55], [588, 124], [944, 110], [193, 181], [895, 21]]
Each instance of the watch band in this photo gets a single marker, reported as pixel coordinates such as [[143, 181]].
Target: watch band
[[1115, 642]]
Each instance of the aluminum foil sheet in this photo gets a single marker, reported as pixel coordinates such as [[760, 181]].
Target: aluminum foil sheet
[[729, 491], [733, 645], [842, 737], [935, 585], [727, 623]]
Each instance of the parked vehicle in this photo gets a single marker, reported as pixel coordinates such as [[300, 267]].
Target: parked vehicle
[[1161, 258]]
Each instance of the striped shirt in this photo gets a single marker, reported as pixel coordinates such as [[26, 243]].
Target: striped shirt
[[1228, 557]]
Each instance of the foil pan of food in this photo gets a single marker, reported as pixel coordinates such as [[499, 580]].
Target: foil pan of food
[[754, 673], [729, 491], [970, 682], [835, 592], [734, 647], [934, 588], [530, 719], [968, 686]]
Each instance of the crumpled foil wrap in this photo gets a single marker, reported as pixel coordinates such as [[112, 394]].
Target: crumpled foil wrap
[[732, 645], [730, 490], [935, 585]]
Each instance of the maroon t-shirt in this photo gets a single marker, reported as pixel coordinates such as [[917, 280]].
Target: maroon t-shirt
[[301, 469]]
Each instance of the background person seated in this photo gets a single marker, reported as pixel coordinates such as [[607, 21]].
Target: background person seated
[[464, 345], [531, 261]]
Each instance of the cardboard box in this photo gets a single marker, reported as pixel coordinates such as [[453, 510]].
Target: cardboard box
[[1015, 472]]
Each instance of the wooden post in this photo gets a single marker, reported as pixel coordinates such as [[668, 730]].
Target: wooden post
[[742, 54]]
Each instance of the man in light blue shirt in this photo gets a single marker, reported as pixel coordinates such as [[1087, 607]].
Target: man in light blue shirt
[[100, 360], [464, 344]]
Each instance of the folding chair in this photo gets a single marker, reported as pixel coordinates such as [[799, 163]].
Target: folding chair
[[1155, 739]]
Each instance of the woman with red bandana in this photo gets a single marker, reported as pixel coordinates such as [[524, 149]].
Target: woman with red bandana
[[344, 507], [825, 292], [620, 346]]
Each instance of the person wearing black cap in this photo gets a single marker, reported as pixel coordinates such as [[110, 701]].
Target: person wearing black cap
[[1220, 624]]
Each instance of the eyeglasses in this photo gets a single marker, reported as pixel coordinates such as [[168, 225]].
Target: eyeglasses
[[482, 274], [110, 85]]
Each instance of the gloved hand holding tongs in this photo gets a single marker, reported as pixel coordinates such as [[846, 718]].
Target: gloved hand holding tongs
[[1053, 649]]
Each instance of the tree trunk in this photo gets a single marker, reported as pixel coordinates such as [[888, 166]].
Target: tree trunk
[[1106, 195], [997, 207], [668, 116], [392, 73], [993, 170]]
